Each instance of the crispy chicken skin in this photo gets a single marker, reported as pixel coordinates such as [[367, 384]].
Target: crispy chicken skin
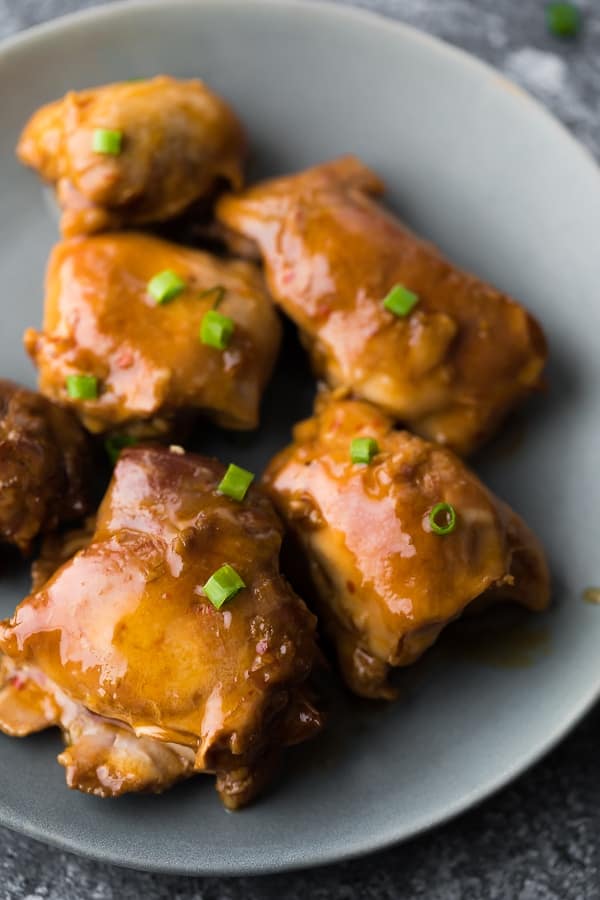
[[385, 583], [178, 139], [122, 649], [44, 466], [451, 369], [150, 364]]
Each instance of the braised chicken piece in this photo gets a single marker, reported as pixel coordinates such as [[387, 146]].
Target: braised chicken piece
[[399, 545], [154, 665], [44, 466], [382, 312], [133, 153], [133, 338]]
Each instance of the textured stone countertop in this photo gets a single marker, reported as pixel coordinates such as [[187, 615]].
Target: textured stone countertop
[[540, 838]]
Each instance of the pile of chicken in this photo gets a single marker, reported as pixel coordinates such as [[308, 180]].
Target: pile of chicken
[[162, 637]]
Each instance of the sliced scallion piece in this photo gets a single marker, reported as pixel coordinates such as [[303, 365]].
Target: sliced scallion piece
[[222, 585], [400, 301], [442, 518], [235, 482], [166, 286], [107, 141], [82, 387], [363, 449], [216, 330]]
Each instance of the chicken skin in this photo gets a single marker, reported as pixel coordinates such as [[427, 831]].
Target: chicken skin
[[385, 581], [44, 466], [451, 357], [147, 360], [125, 651], [133, 153]]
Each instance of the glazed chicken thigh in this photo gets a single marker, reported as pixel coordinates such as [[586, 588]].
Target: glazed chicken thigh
[[390, 567], [381, 311], [151, 676], [133, 153], [124, 355], [44, 466]]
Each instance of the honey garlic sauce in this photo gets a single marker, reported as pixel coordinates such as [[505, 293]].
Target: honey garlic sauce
[[124, 628], [452, 368], [176, 139], [380, 571], [147, 357]]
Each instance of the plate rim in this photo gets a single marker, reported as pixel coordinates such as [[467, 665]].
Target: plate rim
[[322, 856]]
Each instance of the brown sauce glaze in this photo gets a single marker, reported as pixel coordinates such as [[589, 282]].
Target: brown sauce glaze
[[385, 584], [148, 359], [121, 645], [178, 139], [451, 369]]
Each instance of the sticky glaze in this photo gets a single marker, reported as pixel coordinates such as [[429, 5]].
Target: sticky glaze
[[451, 369], [148, 358], [385, 584], [123, 631], [178, 138]]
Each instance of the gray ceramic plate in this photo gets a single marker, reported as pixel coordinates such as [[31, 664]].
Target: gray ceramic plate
[[481, 169]]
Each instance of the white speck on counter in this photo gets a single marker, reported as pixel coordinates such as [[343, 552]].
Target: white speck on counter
[[561, 85], [543, 72], [177, 450]]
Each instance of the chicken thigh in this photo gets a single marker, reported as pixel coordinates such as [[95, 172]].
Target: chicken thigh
[[133, 153], [125, 340], [382, 312], [151, 675], [44, 466], [398, 545]]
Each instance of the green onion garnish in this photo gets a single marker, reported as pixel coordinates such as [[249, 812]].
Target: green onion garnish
[[563, 19], [165, 286], [362, 450], [216, 329], [107, 141], [218, 290], [235, 482], [222, 585], [400, 301], [442, 518], [82, 387], [113, 445]]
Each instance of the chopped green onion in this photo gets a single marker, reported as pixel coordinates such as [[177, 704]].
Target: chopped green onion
[[563, 19], [222, 585], [166, 286], [218, 290], [107, 141], [235, 482], [216, 329], [82, 387], [442, 518], [113, 445], [400, 301], [362, 450]]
